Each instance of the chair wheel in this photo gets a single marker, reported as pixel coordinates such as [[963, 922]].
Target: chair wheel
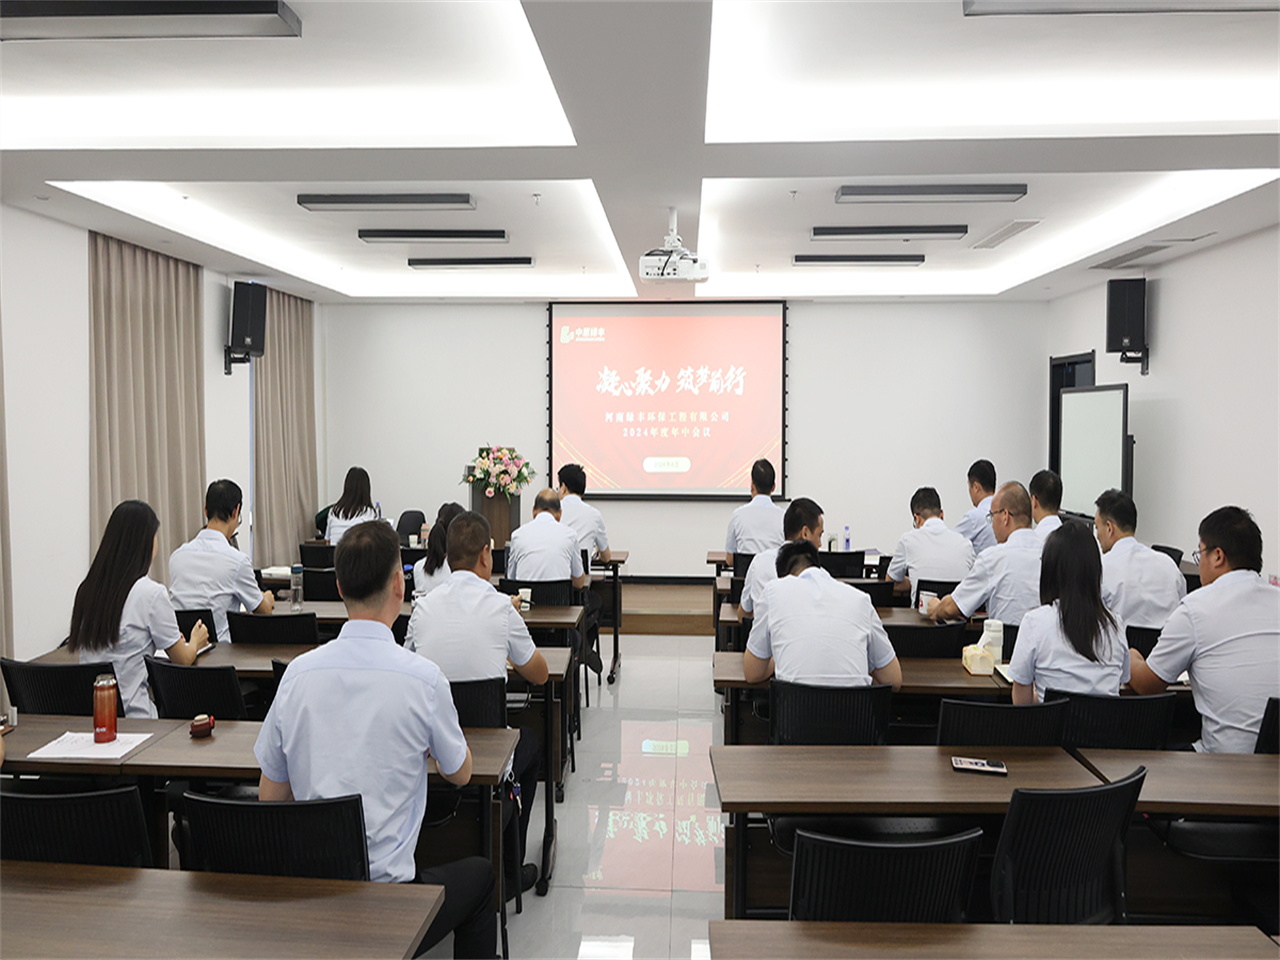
[[559, 793], [542, 888]]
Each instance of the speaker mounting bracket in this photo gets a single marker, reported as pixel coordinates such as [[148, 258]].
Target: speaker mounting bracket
[[1143, 357], [229, 357]]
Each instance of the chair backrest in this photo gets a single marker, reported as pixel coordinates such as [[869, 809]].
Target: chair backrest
[[882, 566], [967, 723], [299, 838], [481, 703], [880, 591], [846, 564], [543, 593], [65, 688], [320, 584], [1173, 552], [736, 585], [944, 640], [1060, 857], [742, 563], [410, 521], [1142, 639], [273, 628], [1116, 723], [278, 668], [102, 827], [499, 560], [182, 693], [803, 714], [318, 556], [411, 555], [888, 881], [1269, 732], [188, 618], [1010, 641], [939, 588]]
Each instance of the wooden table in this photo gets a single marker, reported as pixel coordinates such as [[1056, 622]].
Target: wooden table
[[785, 940], [71, 910], [889, 616], [251, 660], [616, 559], [1178, 782], [35, 730]]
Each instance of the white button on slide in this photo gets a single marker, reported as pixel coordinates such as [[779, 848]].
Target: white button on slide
[[667, 464]]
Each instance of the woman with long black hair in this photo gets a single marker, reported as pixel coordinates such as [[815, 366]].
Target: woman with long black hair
[[433, 569], [121, 614], [354, 506], [1072, 643]]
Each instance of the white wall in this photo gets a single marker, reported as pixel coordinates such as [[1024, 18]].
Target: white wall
[[228, 414], [1206, 420]]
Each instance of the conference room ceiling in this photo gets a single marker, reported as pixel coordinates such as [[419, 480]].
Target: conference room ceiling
[[576, 125]]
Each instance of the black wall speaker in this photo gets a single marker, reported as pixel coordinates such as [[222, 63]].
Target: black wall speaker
[[248, 319], [1126, 316]]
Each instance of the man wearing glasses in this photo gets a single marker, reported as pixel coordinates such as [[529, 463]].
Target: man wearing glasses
[[1226, 635]]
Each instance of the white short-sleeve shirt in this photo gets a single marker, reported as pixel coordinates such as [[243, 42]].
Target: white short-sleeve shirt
[[208, 572], [819, 631], [1046, 526], [544, 549], [976, 527], [337, 526], [147, 624], [585, 521], [763, 570], [1005, 579], [755, 527], [423, 582], [468, 629], [360, 715], [1143, 586], [1226, 635], [1045, 658], [931, 552]]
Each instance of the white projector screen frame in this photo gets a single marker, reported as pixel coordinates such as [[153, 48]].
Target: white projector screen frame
[[1095, 445]]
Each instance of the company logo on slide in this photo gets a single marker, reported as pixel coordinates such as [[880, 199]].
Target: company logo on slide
[[569, 334]]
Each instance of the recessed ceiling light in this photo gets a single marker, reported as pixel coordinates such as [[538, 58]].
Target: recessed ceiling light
[[952, 231], [931, 193], [451, 263], [386, 201], [1007, 232], [130, 20], [996, 8], [858, 259], [433, 236]]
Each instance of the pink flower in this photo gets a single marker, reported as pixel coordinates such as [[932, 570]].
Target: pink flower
[[488, 491]]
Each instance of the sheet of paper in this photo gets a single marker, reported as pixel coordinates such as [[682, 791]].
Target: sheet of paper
[[1003, 670], [276, 573], [80, 746]]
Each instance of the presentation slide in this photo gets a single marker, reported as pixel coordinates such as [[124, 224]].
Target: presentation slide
[[667, 400]]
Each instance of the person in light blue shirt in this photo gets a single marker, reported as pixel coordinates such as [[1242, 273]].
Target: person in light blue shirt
[[756, 526], [361, 715], [976, 523]]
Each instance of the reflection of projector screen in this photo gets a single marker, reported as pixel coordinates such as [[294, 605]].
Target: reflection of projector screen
[[1094, 444], [668, 400]]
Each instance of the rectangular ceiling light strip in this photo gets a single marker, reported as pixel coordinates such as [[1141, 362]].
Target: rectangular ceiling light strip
[[1006, 8], [931, 193], [145, 19], [858, 259], [386, 201], [433, 236], [948, 231], [448, 263], [1116, 263], [1008, 231]]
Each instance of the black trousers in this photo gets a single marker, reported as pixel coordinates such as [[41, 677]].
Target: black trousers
[[468, 909], [524, 766]]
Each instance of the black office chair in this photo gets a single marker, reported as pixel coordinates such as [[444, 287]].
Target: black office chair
[[410, 522], [318, 556], [742, 563], [411, 555], [887, 881], [968, 723], [847, 565], [1142, 639], [187, 620], [299, 838], [882, 566], [880, 591], [1172, 552], [320, 584], [736, 585], [499, 560], [273, 628], [278, 668], [182, 693], [60, 688], [102, 827], [942, 640], [803, 714], [1116, 723], [1010, 641], [1269, 731], [939, 588], [1060, 857]]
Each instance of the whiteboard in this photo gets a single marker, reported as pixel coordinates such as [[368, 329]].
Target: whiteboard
[[1094, 435]]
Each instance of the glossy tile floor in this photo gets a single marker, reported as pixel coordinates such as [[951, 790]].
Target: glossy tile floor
[[640, 866]]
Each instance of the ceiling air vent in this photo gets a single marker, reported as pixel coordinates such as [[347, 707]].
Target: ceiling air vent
[[1008, 231], [1125, 259]]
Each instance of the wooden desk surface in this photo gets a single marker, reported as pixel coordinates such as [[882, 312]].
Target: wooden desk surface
[[717, 557], [885, 780], [70, 910], [919, 675], [760, 939], [545, 617], [35, 730], [552, 618], [616, 559], [1227, 784], [889, 616], [557, 662]]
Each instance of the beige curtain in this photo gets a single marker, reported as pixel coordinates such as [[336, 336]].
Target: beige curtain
[[146, 380], [284, 433], [6, 567]]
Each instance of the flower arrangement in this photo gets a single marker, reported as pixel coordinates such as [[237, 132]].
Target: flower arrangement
[[500, 470]]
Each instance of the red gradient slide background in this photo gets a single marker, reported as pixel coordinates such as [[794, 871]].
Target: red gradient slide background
[[699, 394]]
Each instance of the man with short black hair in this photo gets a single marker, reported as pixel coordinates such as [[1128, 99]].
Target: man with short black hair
[[582, 518], [976, 523], [1141, 586], [208, 573], [756, 526], [929, 550], [1046, 500], [802, 521], [1226, 636], [361, 715]]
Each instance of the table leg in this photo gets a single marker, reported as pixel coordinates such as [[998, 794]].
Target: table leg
[[739, 821], [732, 707], [617, 625], [549, 802], [491, 846], [156, 806]]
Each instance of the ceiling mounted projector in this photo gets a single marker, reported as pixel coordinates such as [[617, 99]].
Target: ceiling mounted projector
[[672, 261]]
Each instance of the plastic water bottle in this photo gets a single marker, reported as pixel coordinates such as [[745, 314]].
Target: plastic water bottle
[[993, 639], [295, 587], [847, 541]]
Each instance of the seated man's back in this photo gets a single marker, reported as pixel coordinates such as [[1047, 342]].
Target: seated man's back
[[931, 551], [757, 525], [1143, 586], [545, 549]]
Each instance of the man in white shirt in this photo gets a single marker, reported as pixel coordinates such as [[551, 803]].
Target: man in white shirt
[[802, 521], [208, 572], [1141, 586], [361, 715], [813, 629], [1046, 501], [545, 549], [1226, 636], [976, 523], [1005, 578], [756, 526], [929, 550], [584, 519], [470, 631]]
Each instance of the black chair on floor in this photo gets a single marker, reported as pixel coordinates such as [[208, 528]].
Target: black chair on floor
[[880, 591], [1116, 723], [939, 588], [499, 560], [887, 881], [320, 584], [803, 714], [298, 628], [102, 827], [182, 693], [1142, 639], [742, 563], [1010, 641], [62, 688], [966, 723], [847, 565], [882, 566], [300, 838], [1269, 732], [318, 556], [278, 668], [187, 619], [1060, 857], [1172, 552], [410, 522], [945, 640]]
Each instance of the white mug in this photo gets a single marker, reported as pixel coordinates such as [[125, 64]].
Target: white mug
[[922, 601], [413, 541]]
